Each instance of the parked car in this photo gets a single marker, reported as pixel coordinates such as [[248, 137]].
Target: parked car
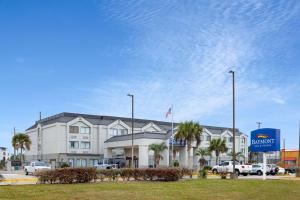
[[273, 169], [35, 167], [291, 170], [281, 170], [257, 169], [105, 164], [227, 166]]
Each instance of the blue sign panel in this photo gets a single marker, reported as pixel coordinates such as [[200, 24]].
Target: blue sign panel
[[265, 139], [177, 142]]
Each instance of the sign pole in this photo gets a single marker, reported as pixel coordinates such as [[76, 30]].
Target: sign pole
[[264, 166]]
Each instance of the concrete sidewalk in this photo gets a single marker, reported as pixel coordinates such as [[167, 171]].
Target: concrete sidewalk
[[16, 179]]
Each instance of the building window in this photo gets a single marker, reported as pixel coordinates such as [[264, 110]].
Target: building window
[[71, 162], [230, 139], [115, 132], [85, 130], [208, 138], [243, 150], [243, 140], [78, 163], [73, 129], [74, 144], [124, 131], [83, 163], [85, 145]]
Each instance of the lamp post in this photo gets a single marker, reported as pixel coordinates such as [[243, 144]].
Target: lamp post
[[132, 127], [233, 124], [298, 170]]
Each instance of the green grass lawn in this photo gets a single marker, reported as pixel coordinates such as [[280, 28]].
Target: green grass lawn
[[191, 189]]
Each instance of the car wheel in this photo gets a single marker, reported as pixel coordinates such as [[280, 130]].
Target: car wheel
[[237, 172], [259, 173], [26, 172], [214, 171]]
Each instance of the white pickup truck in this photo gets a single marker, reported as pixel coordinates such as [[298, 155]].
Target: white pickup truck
[[227, 166], [35, 167]]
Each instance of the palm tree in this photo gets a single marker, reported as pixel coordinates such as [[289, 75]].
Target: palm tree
[[189, 131], [21, 141], [218, 146], [202, 152], [158, 148], [237, 155]]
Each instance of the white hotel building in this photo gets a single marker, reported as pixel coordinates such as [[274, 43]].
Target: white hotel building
[[84, 140]]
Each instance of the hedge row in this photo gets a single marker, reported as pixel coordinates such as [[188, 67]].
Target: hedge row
[[160, 174], [84, 175], [68, 175]]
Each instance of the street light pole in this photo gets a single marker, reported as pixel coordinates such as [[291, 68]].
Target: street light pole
[[298, 170], [132, 128], [233, 124]]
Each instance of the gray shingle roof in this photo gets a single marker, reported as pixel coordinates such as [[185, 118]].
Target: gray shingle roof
[[106, 120]]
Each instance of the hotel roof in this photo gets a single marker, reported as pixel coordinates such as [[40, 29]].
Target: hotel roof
[[65, 117]]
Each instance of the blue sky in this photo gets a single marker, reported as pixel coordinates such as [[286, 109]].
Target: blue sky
[[85, 56]]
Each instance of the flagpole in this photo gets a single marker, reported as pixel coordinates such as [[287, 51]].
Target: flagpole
[[172, 137]]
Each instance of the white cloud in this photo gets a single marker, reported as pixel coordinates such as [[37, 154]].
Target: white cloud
[[185, 60]]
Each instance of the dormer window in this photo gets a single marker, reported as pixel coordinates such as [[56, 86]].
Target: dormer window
[[115, 132], [73, 129], [85, 130]]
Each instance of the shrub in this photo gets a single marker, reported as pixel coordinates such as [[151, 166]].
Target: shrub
[[186, 172], [67, 175], [207, 168], [126, 173], [84, 175], [176, 163], [202, 174], [65, 165]]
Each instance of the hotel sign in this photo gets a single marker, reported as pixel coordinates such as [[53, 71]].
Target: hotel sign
[[264, 140]]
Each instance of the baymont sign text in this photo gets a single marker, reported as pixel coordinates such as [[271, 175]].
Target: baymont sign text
[[264, 140]]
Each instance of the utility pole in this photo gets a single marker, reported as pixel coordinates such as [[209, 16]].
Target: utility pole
[[132, 128], [233, 124], [258, 125]]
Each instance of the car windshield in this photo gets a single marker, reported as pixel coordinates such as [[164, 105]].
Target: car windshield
[[40, 164]]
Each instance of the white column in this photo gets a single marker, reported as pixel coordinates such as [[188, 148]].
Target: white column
[[143, 156], [183, 161], [264, 166], [107, 153], [166, 154], [165, 161]]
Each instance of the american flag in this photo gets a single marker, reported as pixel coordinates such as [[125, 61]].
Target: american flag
[[169, 112]]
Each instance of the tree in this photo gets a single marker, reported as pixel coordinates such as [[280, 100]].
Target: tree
[[237, 155], [202, 153], [158, 148], [189, 131], [21, 141], [218, 146]]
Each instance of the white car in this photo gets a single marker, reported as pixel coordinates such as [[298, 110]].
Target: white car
[[227, 166], [257, 169], [35, 167], [104, 164], [281, 170]]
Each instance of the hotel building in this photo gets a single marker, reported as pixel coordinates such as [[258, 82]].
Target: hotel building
[[85, 140]]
